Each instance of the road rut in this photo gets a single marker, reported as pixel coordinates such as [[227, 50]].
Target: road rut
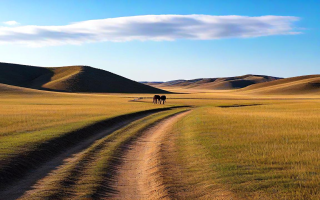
[[22, 186], [139, 175]]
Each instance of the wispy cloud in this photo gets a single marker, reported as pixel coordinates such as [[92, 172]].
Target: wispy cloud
[[11, 23], [150, 27]]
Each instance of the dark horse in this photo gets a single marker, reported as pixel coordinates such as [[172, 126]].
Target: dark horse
[[163, 99], [156, 98]]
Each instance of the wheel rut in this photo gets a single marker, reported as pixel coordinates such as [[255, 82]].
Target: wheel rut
[[27, 183], [138, 176]]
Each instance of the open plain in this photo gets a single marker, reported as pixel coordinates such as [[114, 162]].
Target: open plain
[[229, 144], [159, 100]]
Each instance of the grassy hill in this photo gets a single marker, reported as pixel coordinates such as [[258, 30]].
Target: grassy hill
[[6, 89], [70, 79], [296, 85], [217, 83]]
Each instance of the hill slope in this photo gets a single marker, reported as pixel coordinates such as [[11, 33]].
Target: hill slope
[[70, 79], [217, 83], [10, 89], [296, 85]]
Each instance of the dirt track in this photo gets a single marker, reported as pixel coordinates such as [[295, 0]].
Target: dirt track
[[139, 176], [26, 184]]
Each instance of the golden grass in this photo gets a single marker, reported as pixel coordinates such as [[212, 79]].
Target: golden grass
[[290, 86], [62, 75], [28, 120], [87, 174], [268, 151], [283, 81]]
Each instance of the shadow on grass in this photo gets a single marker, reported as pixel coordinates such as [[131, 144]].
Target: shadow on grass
[[238, 105]]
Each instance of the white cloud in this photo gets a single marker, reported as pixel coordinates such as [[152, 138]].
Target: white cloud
[[151, 27], [11, 23]]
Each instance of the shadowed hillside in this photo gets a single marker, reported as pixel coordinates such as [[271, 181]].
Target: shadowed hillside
[[70, 79], [217, 83], [296, 85], [17, 90]]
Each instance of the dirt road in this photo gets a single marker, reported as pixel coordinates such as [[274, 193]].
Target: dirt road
[[138, 176], [26, 183]]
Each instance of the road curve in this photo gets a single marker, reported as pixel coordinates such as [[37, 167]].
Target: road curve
[[26, 183], [138, 176]]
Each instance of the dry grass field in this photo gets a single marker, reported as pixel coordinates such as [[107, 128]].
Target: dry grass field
[[88, 174], [231, 144], [30, 119], [268, 151]]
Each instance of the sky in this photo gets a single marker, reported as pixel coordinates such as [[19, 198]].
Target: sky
[[162, 40]]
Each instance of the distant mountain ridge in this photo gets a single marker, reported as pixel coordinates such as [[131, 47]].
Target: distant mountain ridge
[[216, 83], [70, 79]]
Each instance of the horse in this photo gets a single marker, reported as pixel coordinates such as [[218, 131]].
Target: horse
[[163, 99], [156, 98]]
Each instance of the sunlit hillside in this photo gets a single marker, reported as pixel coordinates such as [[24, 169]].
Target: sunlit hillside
[[300, 85]]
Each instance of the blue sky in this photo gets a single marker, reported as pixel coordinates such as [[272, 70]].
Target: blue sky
[[280, 54]]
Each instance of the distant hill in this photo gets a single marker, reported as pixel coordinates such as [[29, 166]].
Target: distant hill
[[296, 85], [17, 90], [217, 83], [70, 79]]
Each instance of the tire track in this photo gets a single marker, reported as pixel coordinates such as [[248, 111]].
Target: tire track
[[26, 183], [138, 176]]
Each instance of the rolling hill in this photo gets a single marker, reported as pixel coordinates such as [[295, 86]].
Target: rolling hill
[[70, 79], [216, 83], [17, 90], [309, 84]]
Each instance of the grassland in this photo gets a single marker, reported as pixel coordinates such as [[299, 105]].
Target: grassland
[[30, 120], [88, 174], [268, 150]]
